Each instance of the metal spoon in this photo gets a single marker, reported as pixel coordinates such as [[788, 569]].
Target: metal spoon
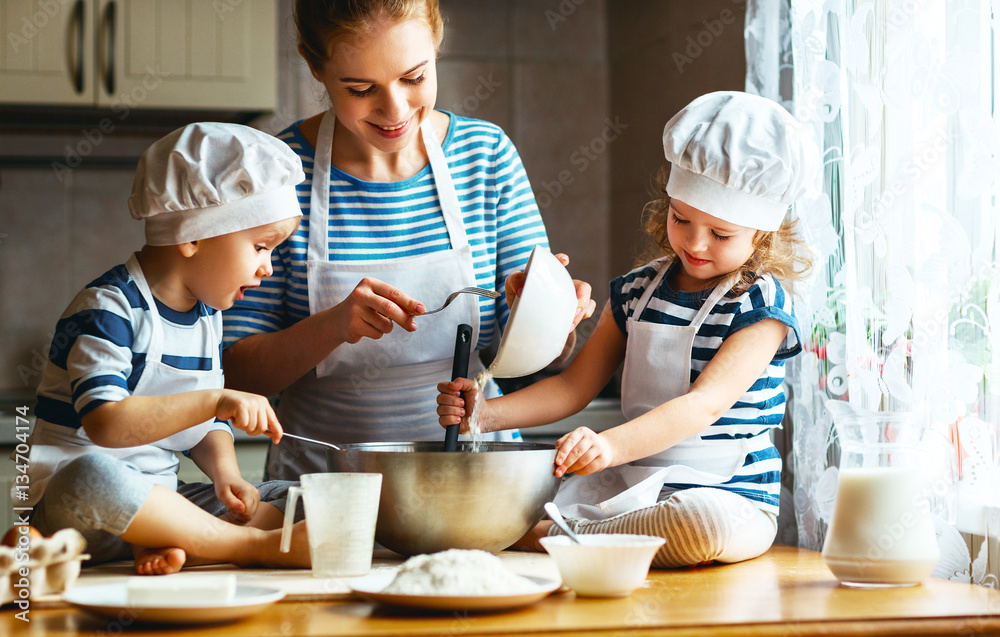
[[553, 511], [318, 442]]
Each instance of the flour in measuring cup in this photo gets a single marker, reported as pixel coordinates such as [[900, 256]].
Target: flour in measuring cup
[[457, 572]]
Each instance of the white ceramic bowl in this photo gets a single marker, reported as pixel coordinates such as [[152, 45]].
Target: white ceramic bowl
[[604, 565], [540, 318]]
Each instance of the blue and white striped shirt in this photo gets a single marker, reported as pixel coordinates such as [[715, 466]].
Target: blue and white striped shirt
[[395, 220], [98, 355], [99, 346], [762, 407]]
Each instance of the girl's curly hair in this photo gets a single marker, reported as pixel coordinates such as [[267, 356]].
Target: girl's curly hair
[[781, 253]]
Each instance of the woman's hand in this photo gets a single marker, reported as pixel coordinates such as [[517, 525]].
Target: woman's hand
[[453, 410], [585, 305], [239, 496], [248, 412], [583, 451], [370, 310]]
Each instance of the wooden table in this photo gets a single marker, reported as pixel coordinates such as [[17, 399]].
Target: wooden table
[[788, 591]]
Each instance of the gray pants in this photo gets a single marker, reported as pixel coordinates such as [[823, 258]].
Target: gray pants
[[700, 525], [98, 495]]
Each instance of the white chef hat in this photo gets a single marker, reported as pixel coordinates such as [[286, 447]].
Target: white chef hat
[[739, 157], [208, 179]]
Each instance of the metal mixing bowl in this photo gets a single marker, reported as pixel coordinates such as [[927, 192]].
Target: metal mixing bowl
[[434, 500]]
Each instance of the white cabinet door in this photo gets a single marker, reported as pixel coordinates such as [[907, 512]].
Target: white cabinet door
[[48, 52], [127, 54], [202, 54]]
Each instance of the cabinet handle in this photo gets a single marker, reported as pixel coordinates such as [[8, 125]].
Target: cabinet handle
[[78, 74], [109, 26]]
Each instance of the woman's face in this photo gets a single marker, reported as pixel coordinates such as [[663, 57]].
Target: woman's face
[[383, 83]]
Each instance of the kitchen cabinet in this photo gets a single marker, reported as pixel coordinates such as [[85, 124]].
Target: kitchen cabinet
[[139, 54]]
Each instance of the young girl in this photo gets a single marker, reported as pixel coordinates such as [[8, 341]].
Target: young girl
[[704, 332]]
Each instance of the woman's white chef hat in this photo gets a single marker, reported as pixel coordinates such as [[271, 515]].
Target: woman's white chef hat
[[209, 179], [739, 157]]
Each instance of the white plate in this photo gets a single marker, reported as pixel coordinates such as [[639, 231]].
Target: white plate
[[371, 587], [111, 600]]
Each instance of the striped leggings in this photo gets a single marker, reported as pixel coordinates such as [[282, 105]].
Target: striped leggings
[[701, 525]]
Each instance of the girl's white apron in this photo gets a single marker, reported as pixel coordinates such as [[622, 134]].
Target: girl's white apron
[[657, 369], [385, 389], [156, 459]]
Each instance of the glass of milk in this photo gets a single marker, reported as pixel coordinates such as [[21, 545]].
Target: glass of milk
[[882, 531]]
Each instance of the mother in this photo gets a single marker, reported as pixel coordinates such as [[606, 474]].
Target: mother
[[411, 203]]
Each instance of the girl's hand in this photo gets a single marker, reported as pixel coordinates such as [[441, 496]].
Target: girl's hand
[[370, 310], [582, 451], [453, 410], [239, 496], [251, 413]]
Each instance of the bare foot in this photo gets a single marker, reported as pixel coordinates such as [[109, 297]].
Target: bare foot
[[529, 541], [296, 557], [158, 561]]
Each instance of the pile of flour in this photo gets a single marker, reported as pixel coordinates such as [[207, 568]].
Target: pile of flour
[[457, 572]]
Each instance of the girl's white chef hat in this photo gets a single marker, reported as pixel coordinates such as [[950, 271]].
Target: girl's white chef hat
[[209, 179], [739, 157]]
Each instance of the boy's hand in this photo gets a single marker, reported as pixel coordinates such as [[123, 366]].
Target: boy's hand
[[582, 451], [251, 413], [453, 410], [239, 496]]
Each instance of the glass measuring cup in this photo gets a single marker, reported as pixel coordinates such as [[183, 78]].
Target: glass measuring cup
[[341, 510]]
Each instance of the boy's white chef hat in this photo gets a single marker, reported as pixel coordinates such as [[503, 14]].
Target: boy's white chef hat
[[739, 157], [208, 179]]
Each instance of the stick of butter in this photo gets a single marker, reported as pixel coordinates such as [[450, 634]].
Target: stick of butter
[[180, 589]]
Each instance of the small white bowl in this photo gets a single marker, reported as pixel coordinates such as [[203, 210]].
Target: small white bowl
[[540, 318], [604, 565]]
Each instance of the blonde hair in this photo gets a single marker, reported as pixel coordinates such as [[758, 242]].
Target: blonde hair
[[781, 253], [320, 22]]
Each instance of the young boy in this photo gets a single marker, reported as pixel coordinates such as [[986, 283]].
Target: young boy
[[134, 371]]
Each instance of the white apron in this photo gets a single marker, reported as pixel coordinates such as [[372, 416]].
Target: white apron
[[385, 389], [657, 369], [156, 459]]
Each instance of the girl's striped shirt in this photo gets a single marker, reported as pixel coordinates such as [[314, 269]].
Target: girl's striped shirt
[[395, 220], [762, 407]]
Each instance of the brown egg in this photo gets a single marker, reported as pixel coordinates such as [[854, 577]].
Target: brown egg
[[11, 537]]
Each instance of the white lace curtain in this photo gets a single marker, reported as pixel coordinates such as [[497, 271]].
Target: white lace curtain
[[903, 311]]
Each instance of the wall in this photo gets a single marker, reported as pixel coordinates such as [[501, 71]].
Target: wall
[[583, 88], [661, 55]]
